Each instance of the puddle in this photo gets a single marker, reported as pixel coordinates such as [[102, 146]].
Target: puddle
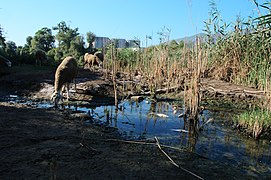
[[216, 140]]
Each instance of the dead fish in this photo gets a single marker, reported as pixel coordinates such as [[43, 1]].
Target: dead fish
[[180, 130], [162, 115], [181, 115]]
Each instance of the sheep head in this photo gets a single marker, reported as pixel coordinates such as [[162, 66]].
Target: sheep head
[[56, 97]]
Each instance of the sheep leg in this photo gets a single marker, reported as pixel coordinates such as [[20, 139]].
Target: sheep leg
[[67, 89], [89, 66], [74, 85], [65, 86]]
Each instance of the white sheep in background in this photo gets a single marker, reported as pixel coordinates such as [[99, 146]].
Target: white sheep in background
[[64, 75]]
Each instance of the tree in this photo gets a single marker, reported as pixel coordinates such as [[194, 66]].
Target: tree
[[90, 39], [2, 39], [65, 35], [43, 40], [11, 48], [77, 48], [28, 41]]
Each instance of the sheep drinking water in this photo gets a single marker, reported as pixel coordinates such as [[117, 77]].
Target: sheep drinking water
[[64, 75]]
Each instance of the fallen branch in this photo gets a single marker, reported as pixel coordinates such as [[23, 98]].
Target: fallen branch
[[158, 144], [171, 160], [170, 89], [160, 91], [253, 93]]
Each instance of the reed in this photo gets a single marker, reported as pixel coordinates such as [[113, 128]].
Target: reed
[[241, 56], [255, 122], [197, 64]]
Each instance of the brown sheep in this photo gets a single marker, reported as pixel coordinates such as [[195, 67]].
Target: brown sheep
[[100, 55], [92, 60], [65, 73]]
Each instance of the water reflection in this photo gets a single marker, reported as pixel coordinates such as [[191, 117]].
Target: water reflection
[[213, 139]]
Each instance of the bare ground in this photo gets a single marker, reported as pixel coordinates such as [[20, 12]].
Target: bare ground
[[56, 144]]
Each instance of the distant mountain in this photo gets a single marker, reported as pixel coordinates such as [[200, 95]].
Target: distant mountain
[[191, 39]]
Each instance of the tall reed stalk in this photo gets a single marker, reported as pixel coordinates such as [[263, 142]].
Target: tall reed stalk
[[197, 63]]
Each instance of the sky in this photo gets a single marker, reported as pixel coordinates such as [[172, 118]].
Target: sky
[[124, 19]]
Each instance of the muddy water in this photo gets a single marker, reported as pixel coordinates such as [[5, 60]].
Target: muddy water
[[216, 139]]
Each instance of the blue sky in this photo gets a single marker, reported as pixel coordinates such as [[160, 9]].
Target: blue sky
[[115, 18]]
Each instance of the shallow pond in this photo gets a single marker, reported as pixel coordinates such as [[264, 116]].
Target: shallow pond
[[216, 140]]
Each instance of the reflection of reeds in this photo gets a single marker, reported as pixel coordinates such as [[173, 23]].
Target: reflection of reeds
[[164, 66]]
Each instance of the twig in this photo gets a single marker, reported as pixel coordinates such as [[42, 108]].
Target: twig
[[88, 147], [209, 120], [158, 144], [132, 142], [150, 143]]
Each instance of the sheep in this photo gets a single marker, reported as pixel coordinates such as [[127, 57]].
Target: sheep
[[92, 60], [100, 55], [65, 73]]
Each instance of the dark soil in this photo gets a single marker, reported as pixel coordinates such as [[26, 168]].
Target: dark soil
[[57, 144]]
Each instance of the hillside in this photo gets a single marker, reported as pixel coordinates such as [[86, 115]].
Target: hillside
[[191, 39]]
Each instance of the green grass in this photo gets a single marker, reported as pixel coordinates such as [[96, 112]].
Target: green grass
[[249, 118]]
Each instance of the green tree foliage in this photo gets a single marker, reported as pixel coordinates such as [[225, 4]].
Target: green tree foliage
[[55, 54], [65, 35], [90, 39], [11, 51], [43, 40], [77, 48], [2, 39], [28, 41], [11, 48], [69, 43]]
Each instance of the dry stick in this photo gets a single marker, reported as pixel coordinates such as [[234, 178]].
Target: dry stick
[[88, 147], [150, 143], [114, 77], [157, 143], [209, 120]]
